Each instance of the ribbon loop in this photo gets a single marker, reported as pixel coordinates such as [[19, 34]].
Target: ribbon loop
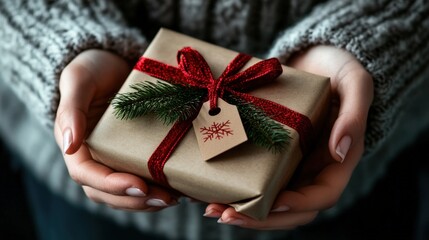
[[194, 66], [235, 65]]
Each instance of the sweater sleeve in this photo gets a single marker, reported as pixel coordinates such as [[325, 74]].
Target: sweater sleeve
[[39, 38], [388, 37]]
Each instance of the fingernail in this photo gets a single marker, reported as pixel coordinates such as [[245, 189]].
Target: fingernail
[[156, 203], [231, 221], [134, 192], [212, 214], [67, 139], [281, 209], [343, 147]]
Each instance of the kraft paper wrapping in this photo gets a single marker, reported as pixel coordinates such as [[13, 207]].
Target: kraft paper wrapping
[[246, 177]]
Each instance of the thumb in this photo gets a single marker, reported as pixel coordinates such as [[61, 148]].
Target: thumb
[[355, 91], [76, 93]]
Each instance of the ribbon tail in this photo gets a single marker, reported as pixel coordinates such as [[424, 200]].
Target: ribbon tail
[[160, 70], [295, 120], [162, 153], [256, 75]]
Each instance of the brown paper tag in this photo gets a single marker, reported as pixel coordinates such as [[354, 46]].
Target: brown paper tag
[[220, 132]]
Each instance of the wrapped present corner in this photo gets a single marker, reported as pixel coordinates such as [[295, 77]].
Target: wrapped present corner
[[246, 177]]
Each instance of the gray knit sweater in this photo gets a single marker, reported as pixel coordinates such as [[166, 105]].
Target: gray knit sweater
[[39, 38]]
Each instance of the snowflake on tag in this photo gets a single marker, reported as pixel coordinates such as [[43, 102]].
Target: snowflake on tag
[[216, 131]]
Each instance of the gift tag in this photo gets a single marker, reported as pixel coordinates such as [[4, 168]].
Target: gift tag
[[219, 130]]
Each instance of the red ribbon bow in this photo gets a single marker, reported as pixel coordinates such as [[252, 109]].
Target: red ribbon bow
[[194, 71]]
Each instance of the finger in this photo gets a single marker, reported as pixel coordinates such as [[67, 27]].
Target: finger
[[88, 81], [325, 189], [275, 221], [310, 198], [85, 171], [155, 201], [354, 87], [76, 95], [215, 210]]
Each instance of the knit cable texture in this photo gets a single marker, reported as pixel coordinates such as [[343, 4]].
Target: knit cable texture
[[39, 38]]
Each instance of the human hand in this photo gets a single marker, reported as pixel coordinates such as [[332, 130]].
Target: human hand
[[86, 85], [325, 173]]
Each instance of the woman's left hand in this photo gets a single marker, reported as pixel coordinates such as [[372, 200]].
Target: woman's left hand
[[328, 168]]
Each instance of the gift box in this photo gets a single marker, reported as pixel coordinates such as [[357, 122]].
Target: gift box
[[247, 177]]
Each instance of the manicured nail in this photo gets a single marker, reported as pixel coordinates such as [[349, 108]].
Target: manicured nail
[[231, 221], [343, 147], [212, 214], [156, 203], [134, 192], [281, 209], [67, 139]]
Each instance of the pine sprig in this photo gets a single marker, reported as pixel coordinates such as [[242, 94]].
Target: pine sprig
[[170, 102], [260, 128], [167, 101]]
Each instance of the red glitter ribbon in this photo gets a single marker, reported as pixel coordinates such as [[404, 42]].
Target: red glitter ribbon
[[194, 71]]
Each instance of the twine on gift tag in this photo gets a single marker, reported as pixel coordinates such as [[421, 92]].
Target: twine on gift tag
[[219, 129]]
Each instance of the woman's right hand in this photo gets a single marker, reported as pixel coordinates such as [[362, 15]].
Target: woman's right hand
[[86, 85], [325, 173]]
